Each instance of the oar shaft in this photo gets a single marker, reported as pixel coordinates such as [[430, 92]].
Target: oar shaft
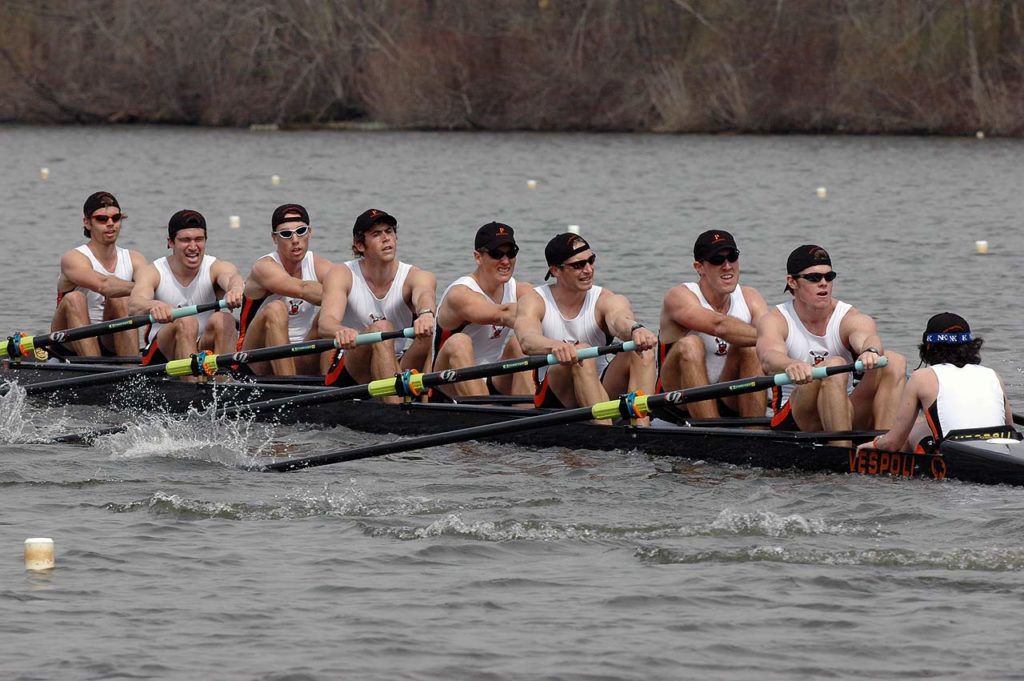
[[27, 344], [387, 387]]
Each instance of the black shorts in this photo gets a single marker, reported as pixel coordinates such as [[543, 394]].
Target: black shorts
[[338, 376]]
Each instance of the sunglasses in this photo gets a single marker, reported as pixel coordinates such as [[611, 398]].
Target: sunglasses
[[815, 277], [498, 253], [104, 219], [579, 264], [718, 259], [289, 233]]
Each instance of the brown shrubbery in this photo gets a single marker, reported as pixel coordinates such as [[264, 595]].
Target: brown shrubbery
[[945, 66]]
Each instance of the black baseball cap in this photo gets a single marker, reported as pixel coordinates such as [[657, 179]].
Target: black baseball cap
[[185, 219], [947, 328], [562, 247], [492, 235], [281, 214], [97, 201], [803, 257], [370, 218], [711, 242]]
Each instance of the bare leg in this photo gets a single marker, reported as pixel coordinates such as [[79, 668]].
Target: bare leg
[[73, 312], [688, 359], [123, 343], [270, 327], [877, 396], [456, 353], [519, 383], [750, 404]]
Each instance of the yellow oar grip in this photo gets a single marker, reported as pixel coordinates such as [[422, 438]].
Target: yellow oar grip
[[382, 387], [179, 367]]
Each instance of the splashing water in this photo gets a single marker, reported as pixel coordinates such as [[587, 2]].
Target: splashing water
[[200, 435], [21, 421]]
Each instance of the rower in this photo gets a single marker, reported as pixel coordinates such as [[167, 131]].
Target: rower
[[95, 281], [708, 330], [186, 277], [282, 295], [376, 292], [954, 392], [815, 329], [476, 315], [572, 313]]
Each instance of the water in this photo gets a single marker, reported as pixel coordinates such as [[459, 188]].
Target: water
[[482, 562]]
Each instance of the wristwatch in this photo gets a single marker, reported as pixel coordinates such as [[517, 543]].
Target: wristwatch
[[636, 326], [872, 349], [422, 312]]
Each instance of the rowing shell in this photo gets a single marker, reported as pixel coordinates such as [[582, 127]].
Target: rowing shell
[[987, 460]]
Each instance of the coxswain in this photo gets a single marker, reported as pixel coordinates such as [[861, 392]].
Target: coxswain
[[476, 314], [186, 277], [708, 330], [95, 281], [954, 392], [283, 294], [815, 329], [572, 313], [377, 292]]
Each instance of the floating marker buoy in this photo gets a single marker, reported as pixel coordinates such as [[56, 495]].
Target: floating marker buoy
[[822, 192], [575, 229], [275, 180], [980, 135], [981, 247], [531, 184], [39, 553], [44, 173], [235, 222]]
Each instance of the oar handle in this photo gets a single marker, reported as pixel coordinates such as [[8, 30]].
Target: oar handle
[[180, 312], [823, 372], [597, 351], [379, 336]]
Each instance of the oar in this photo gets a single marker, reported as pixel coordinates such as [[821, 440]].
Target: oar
[[23, 346], [405, 384], [209, 364], [1018, 419], [628, 406], [410, 384]]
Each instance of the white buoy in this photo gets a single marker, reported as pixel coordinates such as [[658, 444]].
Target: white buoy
[[980, 135], [275, 180], [575, 229], [531, 184], [981, 247], [39, 553], [822, 192], [235, 222], [44, 173]]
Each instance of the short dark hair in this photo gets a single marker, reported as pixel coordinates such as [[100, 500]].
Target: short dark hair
[[958, 355]]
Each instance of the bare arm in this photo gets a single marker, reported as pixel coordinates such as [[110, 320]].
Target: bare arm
[[1006, 403], [528, 328], [771, 348], [225, 275], [683, 307], [143, 295], [337, 284], [423, 296], [464, 305], [78, 271], [859, 333], [923, 381], [620, 321], [268, 276]]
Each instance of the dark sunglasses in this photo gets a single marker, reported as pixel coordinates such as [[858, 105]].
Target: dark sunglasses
[[815, 277], [579, 264], [718, 259], [499, 253], [104, 219], [289, 233]]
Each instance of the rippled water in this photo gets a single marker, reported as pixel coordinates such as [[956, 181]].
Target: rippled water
[[477, 561]]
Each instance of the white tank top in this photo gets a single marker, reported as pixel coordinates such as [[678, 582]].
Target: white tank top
[[582, 329], [300, 312], [715, 348], [488, 341], [969, 397], [805, 346], [364, 308], [171, 291], [122, 270]]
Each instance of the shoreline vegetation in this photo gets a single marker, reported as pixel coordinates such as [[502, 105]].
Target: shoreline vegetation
[[950, 67]]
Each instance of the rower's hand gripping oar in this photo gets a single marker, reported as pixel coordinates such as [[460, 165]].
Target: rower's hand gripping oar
[[627, 406], [204, 363], [18, 346]]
